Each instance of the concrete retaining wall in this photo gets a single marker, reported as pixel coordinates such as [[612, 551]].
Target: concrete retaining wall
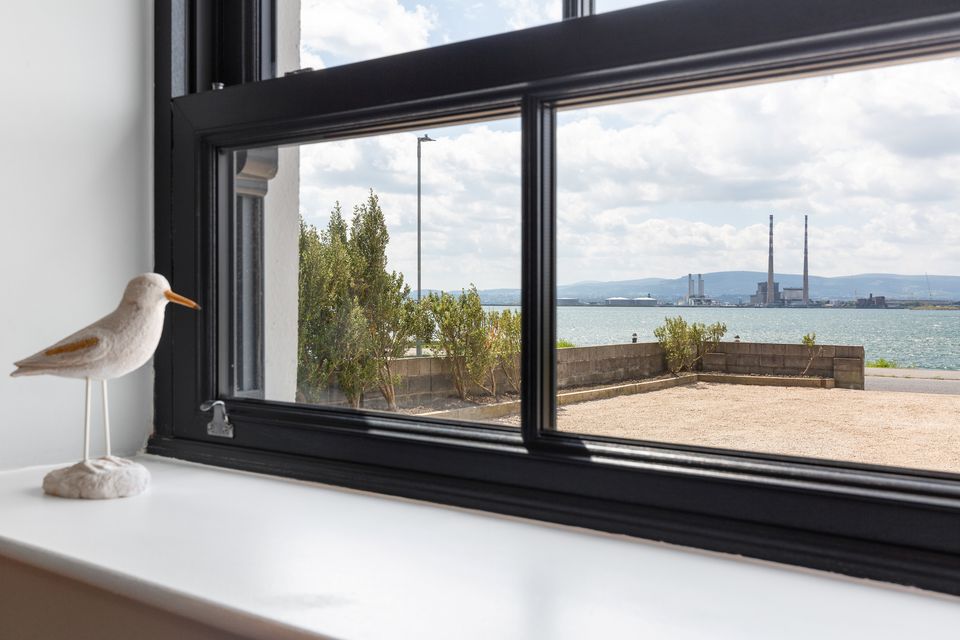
[[423, 380], [582, 366], [511, 408], [842, 363]]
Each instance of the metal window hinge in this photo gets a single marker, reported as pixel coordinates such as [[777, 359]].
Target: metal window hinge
[[220, 424]]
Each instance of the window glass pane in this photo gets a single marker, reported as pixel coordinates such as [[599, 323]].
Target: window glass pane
[[614, 5], [336, 306], [666, 210], [327, 33]]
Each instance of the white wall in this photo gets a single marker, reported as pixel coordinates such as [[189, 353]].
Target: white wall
[[282, 238], [76, 178], [281, 261]]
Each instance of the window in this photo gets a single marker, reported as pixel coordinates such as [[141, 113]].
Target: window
[[237, 165], [372, 252], [663, 211], [340, 32], [615, 5]]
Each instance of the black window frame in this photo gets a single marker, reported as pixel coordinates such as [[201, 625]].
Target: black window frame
[[894, 525]]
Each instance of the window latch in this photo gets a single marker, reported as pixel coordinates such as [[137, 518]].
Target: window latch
[[220, 425]]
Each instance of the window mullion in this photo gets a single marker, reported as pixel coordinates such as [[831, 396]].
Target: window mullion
[[538, 407]]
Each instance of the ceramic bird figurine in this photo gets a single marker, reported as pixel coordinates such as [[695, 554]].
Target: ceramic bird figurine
[[113, 346]]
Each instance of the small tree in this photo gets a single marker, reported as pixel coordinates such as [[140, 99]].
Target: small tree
[[483, 360], [326, 335], [312, 368], [355, 317], [685, 345], [349, 338], [673, 337], [393, 319], [508, 346], [395, 322], [500, 353], [810, 342], [460, 335]]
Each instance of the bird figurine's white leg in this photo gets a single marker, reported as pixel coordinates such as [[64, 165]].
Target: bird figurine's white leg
[[106, 417], [86, 425]]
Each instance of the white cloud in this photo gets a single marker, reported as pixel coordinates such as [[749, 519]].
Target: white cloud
[[871, 156], [521, 14], [309, 58], [351, 30], [669, 186], [470, 199]]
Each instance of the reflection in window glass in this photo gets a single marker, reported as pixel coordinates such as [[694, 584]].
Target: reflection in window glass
[[336, 32], [360, 310], [729, 261], [614, 5]]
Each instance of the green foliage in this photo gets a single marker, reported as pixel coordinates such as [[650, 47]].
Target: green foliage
[[564, 344], [503, 341], [882, 363], [509, 349], [349, 341], [809, 340], [331, 340], [394, 320], [684, 344], [483, 359], [462, 336], [355, 317]]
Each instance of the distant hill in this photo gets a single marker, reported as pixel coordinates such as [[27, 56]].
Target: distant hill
[[739, 285]]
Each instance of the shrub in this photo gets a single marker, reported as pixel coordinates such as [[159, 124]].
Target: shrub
[[462, 336], [508, 345], [355, 317], [684, 345], [809, 340], [883, 363], [564, 344]]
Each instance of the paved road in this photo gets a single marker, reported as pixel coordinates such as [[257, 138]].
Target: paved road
[[913, 381]]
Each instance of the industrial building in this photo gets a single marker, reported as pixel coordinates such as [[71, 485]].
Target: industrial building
[[769, 294], [696, 296], [759, 299], [643, 301], [792, 295], [873, 302]]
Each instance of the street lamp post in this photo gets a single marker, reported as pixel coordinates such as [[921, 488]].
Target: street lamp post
[[420, 140]]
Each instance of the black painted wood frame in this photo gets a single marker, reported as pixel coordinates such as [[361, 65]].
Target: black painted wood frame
[[888, 524]]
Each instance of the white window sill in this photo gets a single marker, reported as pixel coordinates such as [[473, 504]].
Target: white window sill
[[272, 558]]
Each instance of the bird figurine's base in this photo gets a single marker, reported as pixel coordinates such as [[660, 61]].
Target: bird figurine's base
[[98, 479]]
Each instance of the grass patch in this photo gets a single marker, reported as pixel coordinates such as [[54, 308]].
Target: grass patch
[[882, 363], [564, 344]]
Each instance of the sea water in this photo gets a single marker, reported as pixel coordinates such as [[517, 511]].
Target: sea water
[[925, 339]]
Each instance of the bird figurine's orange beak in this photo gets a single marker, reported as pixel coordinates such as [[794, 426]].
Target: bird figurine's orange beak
[[179, 299]]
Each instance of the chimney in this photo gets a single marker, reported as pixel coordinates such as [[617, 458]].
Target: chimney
[[689, 285], [700, 284], [806, 272], [770, 298]]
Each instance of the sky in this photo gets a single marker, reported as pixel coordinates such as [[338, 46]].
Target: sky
[[654, 188], [334, 32]]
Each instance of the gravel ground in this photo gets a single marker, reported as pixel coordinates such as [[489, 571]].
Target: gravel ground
[[914, 430]]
